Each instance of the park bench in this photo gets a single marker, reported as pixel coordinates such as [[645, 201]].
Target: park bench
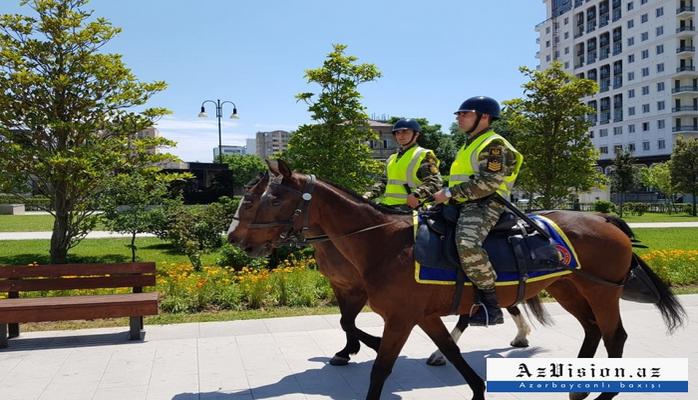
[[34, 278]]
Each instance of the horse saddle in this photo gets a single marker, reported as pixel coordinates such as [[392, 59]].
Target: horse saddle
[[513, 245]]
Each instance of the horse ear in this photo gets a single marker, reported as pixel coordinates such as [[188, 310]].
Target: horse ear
[[273, 166], [284, 169]]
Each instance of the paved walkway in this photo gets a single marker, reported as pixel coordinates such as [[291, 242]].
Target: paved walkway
[[105, 234], [287, 358]]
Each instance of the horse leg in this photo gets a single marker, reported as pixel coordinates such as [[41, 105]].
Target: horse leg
[[606, 307], [437, 359], [395, 335], [350, 304], [572, 300], [436, 330], [523, 329]]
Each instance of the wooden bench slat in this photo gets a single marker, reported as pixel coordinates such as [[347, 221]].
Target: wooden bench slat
[[25, 285], [56, 270], [77, 307]]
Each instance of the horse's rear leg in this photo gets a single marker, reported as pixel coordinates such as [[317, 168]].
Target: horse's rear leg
[[436, 330], [523, 329], [395, 335], [572, 300]]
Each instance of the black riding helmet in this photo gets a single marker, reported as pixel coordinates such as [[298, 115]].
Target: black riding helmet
[[481, 105], [407, 123]]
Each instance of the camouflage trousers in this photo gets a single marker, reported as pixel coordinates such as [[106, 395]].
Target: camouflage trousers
[[474, 224]]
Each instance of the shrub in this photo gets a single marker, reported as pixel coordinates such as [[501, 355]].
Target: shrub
[[604, 206], [675, 267]]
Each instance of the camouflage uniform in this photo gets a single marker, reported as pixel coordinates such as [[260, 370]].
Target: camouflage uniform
[[428, 173], [477, 218]]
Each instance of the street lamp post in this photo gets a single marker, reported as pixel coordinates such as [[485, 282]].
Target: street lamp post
[[219, 114]]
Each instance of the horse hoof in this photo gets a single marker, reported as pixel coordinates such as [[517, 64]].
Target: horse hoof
[[339, 361], [436, 361], [579, 395], [519, 343]]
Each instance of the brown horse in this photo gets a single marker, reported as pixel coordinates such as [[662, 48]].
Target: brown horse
[[350, 291], [295, 204]]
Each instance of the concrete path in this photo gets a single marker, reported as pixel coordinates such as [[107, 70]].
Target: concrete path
[[287, 358]]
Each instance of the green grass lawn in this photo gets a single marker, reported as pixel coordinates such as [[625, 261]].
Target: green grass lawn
[[22, 252], [667, 238], [30, 223], [655, 217]]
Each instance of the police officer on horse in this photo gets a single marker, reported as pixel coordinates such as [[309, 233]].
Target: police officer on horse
[[486, 164], [412, 174]]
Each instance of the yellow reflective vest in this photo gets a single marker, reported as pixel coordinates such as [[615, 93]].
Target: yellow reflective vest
[[401, 172], [466, 163]]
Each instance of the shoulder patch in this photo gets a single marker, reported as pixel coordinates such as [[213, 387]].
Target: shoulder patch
[[495, 158]]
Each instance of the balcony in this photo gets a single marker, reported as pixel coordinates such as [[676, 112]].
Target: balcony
[[684, 89], [684, 109], [686, 129], [616, 14], [685, 10], [617, 116], [685, 29], [685, 68], [683, 49], [603, 20]]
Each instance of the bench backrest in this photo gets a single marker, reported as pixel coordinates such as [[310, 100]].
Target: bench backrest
[[15, 279]]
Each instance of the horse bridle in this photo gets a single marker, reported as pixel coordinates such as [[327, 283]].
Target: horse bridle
[[296, 236]]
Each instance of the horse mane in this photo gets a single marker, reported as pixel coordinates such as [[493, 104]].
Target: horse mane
[[361, 199], [618, 223]]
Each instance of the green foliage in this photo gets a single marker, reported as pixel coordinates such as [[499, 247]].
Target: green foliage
[[235, 258], [604, 206], [335, 147], [31, 203], [244, 167], [548, 126], [64, 113], [633, 208], [684, 167], [658, 176], [625, 176]]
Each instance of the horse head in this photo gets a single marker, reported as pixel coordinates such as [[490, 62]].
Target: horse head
[[273, 211]]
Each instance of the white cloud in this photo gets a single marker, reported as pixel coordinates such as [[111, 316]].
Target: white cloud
[[196, 138]]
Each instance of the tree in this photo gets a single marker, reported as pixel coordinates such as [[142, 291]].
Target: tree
[[131, 200], [336, 147], [624, 177], [64, 113], [432, 138], [548, 126], [659, 176], [684, 168], [244, 167]]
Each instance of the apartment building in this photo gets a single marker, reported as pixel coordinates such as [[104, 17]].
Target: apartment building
[[642, 54], [269, 143]]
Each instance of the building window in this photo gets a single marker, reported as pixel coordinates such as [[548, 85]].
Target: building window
[[646, 71], [631, 76], [660, 86], [645, 126], [659, 31], [567, 65], [631, 147], [547, 43], [567, 50], [631, 41], [547, 58], [660, 105], [643, 18], [645, 146], [603, 149], [631, 128], [631, 110], [645, 109], [617, 148], [660, 67], [661, 144], [567, 20], [659, 12], [603, 132], [643, 2], [660, 49], [631, 58], [644, 36], [631, 93], [567, 35], [618, 130], [547, 29], [645, 54], [630, 5], [660, 124], [645, 90], [631, 23]]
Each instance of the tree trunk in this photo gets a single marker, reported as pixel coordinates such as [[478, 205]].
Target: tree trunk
[[620, 212], [133, 247], [59, 238], [694, 203]]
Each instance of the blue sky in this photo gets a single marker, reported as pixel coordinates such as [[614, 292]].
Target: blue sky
[[433, 55]]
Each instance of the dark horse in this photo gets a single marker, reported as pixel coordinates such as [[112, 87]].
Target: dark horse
[[350, 291], [379, 248]]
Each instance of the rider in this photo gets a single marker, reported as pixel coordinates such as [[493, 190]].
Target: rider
[[411, 174], [486, 164]]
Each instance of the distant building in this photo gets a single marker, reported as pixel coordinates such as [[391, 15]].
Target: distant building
[[250, 146], [228, 150], [269, 143], [385, 145]]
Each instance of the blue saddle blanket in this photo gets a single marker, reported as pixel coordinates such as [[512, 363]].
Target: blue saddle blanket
[[510, 252]]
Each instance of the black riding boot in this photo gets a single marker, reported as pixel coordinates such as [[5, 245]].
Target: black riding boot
[[488, 312]]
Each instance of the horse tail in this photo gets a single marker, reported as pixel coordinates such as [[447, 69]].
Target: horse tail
[[535, 306], [672, 311]]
